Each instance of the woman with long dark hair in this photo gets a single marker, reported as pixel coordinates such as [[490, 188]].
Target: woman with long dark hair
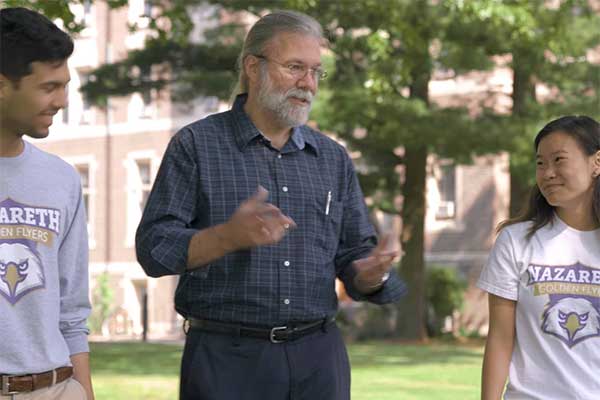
[[543, 276]]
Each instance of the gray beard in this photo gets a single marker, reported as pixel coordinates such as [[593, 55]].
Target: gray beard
[[287, 114]]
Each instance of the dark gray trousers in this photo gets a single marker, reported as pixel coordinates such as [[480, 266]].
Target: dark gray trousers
[[223, 367]]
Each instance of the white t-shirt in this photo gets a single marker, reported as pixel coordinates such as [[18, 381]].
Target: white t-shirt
[[555, 280]]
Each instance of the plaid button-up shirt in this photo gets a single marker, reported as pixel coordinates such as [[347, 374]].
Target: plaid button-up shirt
[[210, 167]]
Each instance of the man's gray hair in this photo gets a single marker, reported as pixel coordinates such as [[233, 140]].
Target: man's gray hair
[[265, 29]]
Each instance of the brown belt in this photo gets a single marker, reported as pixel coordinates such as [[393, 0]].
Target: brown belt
[[12, 384]]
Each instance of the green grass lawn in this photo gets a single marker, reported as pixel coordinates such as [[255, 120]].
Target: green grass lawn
[[380, 371]]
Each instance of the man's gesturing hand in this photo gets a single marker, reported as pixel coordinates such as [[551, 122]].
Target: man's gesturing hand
[[254, 223], [371, 270]]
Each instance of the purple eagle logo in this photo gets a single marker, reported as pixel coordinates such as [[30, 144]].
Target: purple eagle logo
[[572, 320], [20, 271]]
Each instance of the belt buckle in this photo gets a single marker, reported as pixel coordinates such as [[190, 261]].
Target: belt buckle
[[5, 391], [272, 334]]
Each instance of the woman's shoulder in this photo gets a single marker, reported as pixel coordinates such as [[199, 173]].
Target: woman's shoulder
[[517, 231]]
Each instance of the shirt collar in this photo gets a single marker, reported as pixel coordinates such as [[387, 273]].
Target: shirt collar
[[246, 131]]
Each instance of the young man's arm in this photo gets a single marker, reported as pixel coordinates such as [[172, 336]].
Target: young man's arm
[[81, 372], [74, 297], [498, 348]]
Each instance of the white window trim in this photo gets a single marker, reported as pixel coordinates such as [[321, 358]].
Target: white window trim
[[133, 190], [138, 109], [438, 177], [136, 13], [92, 164], [88, 19], [432, 223], [87, 115]]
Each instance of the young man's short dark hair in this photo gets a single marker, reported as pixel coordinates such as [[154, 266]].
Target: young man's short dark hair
[[26, 37]]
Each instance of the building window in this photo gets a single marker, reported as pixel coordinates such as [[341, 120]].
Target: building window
[[140, 171], [147, 109], [86, 107], [85, 167], [142, 103], [65, 115], [84, 174], [147, 9], [141, 294], [146, 93], [87, 11], [447, 190], [87, 7], [144, 171]]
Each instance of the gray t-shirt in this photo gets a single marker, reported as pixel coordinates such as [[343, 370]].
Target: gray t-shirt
[[44, 300]]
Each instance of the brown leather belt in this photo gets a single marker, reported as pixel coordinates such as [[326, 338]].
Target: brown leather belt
[[278, 334], [12, 384]]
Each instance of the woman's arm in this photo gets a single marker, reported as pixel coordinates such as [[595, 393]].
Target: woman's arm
[[498, 347]]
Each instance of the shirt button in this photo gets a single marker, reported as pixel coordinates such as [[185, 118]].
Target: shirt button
[[279, 156], [286, 301], [286, 263], [285, 188]]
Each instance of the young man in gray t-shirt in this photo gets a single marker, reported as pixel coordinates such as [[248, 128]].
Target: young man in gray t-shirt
[[44, 300]]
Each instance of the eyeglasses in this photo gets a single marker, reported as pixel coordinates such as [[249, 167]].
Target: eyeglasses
[[297, 70]]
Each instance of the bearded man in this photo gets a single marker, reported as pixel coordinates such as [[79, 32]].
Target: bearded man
[[259, 214]]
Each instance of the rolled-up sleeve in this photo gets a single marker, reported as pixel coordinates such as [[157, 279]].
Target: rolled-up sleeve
[[358, 239], [165, 230]]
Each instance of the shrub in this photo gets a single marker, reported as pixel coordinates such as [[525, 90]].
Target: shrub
[[444, 295]]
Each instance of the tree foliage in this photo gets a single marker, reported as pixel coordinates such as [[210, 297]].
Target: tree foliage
[[59, 9], [547, 45], [383, 56]]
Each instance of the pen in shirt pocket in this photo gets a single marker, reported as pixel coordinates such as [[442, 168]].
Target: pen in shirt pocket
[[328, 203]]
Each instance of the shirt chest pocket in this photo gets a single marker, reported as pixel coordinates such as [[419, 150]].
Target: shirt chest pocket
[[328, 224]]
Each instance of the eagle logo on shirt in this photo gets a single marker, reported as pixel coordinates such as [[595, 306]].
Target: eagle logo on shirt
[[23, 228], [20, 271], [571, 320], [573, 311]]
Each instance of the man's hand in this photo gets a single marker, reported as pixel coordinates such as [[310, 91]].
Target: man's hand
[[371, 270], [81, 372], [254, 223]]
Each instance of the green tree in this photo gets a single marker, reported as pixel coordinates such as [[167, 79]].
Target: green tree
[[547, 45], [383, 64], [381, 51], [59, 9], [383, 57]]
